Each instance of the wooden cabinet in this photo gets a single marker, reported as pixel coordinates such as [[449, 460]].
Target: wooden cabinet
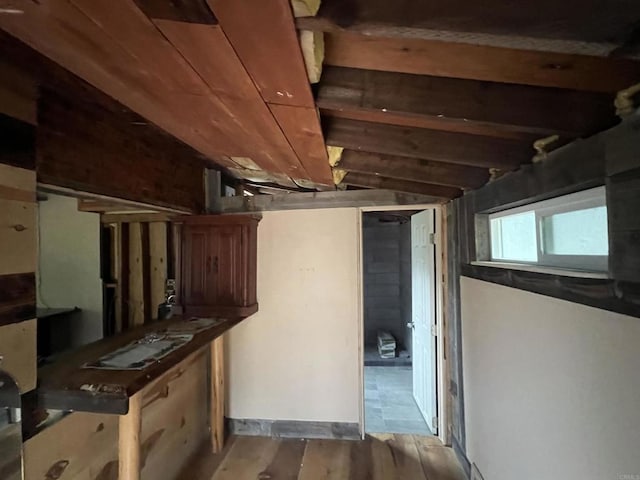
[[219, 255]]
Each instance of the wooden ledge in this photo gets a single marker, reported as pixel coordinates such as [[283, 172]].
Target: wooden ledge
[[66, 385]]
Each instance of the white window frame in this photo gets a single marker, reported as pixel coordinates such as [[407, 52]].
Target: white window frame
[[592, 198]]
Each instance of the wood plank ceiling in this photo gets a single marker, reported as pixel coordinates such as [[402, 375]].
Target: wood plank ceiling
[[423, 98]]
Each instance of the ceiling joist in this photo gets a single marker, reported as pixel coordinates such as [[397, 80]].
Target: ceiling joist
[[472, 106], [457, 148], [405, 186], [477, 62], [413, 169]]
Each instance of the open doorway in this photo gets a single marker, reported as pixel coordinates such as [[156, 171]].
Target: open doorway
[[399, 322]]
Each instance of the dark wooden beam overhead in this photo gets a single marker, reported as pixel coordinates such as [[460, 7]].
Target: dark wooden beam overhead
[[433, 145], [477, 62], [413, 169], [93, 150], [405, 186], [589, 21], [190, 11], [427, 100], [424, 121]]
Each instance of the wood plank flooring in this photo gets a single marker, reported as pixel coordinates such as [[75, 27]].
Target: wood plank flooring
[[378, 457]]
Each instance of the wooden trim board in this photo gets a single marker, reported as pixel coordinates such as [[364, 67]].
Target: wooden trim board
[[294, 429]]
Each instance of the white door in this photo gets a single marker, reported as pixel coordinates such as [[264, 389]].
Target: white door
[[424, 315]]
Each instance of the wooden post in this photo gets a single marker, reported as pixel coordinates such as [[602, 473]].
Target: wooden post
[[217, 395], [129, 441]]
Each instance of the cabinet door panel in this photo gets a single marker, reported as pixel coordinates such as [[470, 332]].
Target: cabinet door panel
[[196, 261], [229, 265]]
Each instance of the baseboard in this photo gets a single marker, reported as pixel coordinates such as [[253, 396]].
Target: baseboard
[[293, 429], [462, 457]]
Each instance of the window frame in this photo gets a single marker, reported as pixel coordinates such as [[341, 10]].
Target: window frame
[[585, 199]]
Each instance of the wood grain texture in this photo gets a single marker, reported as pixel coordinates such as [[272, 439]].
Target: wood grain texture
[[18, 349], [433, 145], [247, 458], [174, 416], [236, 93], [90, 151], [17, 297], [192, 11], [413, 169], [516, 108], [378, 457], [311, 200], [623, 197], [431, 123], [593, 22], [158, 265], [137, 313], [149, 72], [301, 126], [270, 52], [81, 446], [325, 460], [129, 448], [406, 186], [458, 60], [217, 389]]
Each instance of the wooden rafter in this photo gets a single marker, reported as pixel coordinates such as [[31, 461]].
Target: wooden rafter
[[474, 106], [413, 169], [477, 62], [406, 186], [434, 145]]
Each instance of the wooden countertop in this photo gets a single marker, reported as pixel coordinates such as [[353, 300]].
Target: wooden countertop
[[67, 385]]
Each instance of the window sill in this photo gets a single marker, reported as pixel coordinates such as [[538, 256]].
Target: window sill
[[543, 269]]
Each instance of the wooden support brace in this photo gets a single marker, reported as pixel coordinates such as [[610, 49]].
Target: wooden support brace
[[129, 464], [217, 395]]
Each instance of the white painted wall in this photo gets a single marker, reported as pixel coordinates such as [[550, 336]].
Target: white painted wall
[[298, 358], [69, 265], [552, 388]]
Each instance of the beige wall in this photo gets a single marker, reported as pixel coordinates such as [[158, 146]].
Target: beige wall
[[69, 264], [298, 357], [551, 387]]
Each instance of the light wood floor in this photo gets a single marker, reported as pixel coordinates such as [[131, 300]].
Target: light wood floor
[[378, 457]]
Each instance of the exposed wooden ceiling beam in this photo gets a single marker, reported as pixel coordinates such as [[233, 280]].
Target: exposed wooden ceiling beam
[[405, 186], [264, 36], [413, 169], [476, 62], [424, 121], [189, 11], [471, 105], [433, 145], [548, 20], [141, 62], [317, 200]]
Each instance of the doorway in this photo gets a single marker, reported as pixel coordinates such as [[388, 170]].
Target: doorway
[[400, 322]]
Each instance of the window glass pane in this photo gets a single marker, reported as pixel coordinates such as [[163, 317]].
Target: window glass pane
[[514, 237], [582, 232]]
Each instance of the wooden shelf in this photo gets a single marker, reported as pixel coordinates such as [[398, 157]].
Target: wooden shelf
[[66, 385]]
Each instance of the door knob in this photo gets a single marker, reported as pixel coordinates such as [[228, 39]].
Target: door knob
[[411, 325]]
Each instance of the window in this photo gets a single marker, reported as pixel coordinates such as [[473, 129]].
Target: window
[[565, 232]]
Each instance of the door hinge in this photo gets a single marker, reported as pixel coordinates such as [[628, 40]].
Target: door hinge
[[432, 238], [434, 330]]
